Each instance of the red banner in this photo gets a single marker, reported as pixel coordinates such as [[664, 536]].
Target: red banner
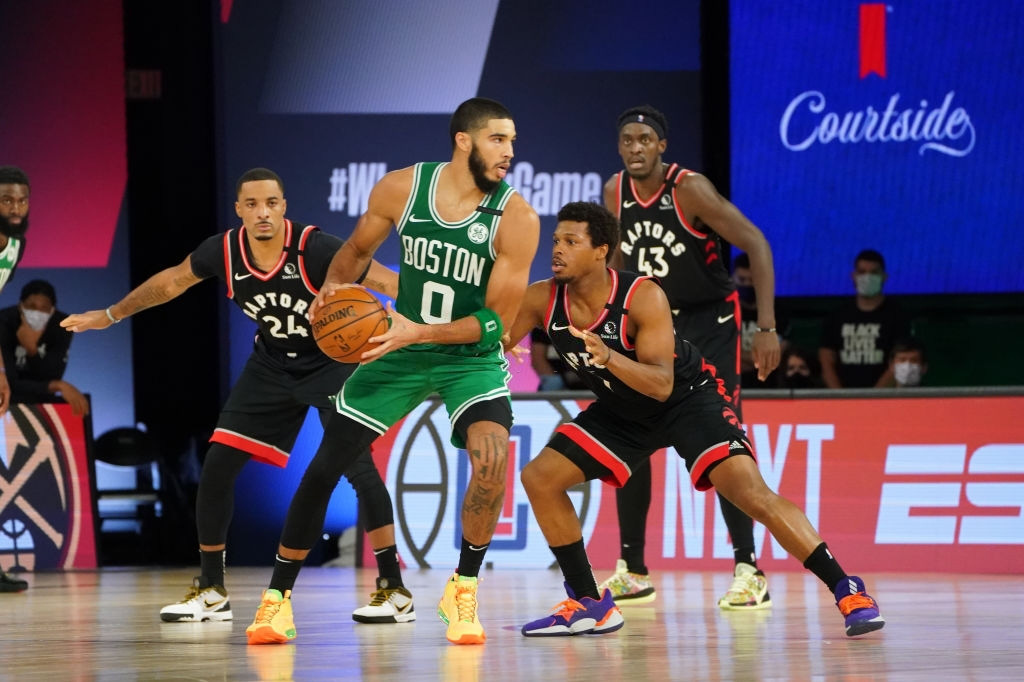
[[872, 39], [901, 484]]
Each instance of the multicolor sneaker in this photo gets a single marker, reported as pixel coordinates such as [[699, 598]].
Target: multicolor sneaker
[[628, 588], [859, 608], [748, 592], [578, 617], [458, 610], [8, 583], [387, 605], [274, 622], [200, 604]]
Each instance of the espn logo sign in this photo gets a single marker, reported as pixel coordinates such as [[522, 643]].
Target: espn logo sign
[[936, 500]]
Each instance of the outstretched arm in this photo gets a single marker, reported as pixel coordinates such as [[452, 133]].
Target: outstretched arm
[[160, 288], [698, 198]]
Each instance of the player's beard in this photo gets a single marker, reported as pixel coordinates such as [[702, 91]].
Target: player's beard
[[8, 229], [478, 168]]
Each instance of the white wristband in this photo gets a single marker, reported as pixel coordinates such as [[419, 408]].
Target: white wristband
[[110, 316]]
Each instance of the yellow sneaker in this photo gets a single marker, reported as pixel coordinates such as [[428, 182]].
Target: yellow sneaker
[[458, 610], [274, 622]]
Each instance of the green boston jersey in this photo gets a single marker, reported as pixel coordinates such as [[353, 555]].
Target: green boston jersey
[[9, 258], [445, 266]]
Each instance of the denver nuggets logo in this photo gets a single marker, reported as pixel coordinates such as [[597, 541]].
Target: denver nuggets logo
[[477, 233], [42, 507]]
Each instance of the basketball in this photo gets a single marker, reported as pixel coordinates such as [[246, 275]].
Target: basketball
[[346, 320]]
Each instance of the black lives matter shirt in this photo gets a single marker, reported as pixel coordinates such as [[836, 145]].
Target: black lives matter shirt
[[278, 300], [862, 341]]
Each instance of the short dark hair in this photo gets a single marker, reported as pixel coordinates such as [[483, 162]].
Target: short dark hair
[[256, 174], [742, 260], [871, 256], [12, 175], [602, 225], [39, 286], [647, 111], [907, 344], [474, 114]]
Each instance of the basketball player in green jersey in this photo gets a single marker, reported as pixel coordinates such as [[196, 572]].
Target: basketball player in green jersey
[[467, 242], [14, 190]]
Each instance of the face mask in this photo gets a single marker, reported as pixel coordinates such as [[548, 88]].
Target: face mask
[[747, 294], [36, 319], [907, 373], [869, 284], [799, 380]]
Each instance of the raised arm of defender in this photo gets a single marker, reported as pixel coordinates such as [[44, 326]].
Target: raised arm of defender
[[160, 288]]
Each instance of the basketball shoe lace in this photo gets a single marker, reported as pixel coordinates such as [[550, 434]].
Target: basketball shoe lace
[[465, 602], [266, 612], [566, 608], [848, 605]]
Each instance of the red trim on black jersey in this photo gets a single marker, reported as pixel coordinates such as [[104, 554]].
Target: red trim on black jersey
[[227, 264], [259, 274], [679, 209], [259, 450], [654, 197], [604, 313], [618, 194], [594, 448], [625, 312], [302, 259]]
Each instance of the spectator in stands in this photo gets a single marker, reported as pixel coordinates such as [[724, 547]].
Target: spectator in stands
[[35, 349], [908, 362], [552, 371], [858, 337], [799, 369], [744, 281]]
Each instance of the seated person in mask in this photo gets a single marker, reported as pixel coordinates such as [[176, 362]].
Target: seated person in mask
[[799, 369], [908, 362], [35, 349], [857, 338], [744, 281]]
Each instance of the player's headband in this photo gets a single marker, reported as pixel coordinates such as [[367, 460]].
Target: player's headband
[[646, 120]]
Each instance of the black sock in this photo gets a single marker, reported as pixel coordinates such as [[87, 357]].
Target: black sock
[[572, 559], [211, 568], [745, 555], [388, 566], [633, 555], [285, 573], [471, 558], [822, 564]]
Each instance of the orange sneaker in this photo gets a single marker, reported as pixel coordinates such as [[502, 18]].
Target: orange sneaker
[[274, 622], [458, 610]]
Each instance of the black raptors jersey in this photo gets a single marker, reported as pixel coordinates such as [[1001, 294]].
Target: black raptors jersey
[[277, 300], [611, 326], [658, 241]]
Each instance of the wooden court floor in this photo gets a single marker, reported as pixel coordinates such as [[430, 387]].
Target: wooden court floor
[[103, 625]]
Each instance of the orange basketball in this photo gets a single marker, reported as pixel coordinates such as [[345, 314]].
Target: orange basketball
[[346, 320]]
